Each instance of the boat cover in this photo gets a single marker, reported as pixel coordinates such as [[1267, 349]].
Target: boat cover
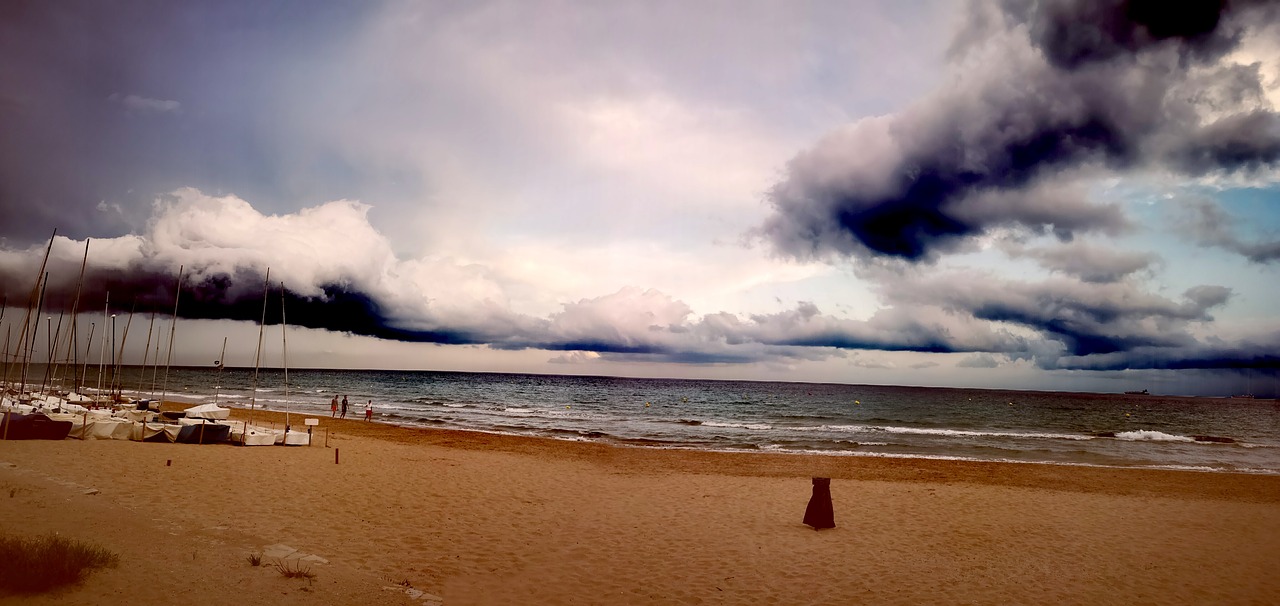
[[208, 411]]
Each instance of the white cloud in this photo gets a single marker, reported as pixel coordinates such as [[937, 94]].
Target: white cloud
[[575, 357]]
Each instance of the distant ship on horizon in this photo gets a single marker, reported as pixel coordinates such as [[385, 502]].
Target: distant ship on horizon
[[1137, 393]]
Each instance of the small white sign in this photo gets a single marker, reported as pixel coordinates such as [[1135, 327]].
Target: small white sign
[[312, 421]]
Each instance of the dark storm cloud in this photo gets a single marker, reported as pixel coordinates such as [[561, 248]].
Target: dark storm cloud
[[1207, 224], [143, 287], [1249, 355], [1043, 89], [1246, 141], [224, 276], [1057, 324], [1073, 33], [652, 326], [1087, 319], [890, 330]]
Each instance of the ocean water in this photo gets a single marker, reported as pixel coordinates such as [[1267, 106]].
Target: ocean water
[[1210, 434]]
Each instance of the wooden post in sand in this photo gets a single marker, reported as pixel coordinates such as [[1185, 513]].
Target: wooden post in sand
[[311, 423], [335, 454]]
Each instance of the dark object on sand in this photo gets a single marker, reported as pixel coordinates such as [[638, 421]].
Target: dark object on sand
[[204, 433], [34, 426], [819, 513]]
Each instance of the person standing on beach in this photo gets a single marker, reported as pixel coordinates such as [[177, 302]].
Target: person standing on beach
[[344, 407], [368, 411], [333, 406]]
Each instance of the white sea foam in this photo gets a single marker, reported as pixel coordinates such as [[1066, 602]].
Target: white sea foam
[[756, 426], [925, 431], [1145, 435], [277, 400]]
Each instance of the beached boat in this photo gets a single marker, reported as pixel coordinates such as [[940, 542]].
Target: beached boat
[[252, 435], [208, 411], [293, 437], [200, 431], [32, 426], [246, 434]]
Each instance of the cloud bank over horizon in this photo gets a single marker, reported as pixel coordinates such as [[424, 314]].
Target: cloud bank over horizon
[[226, 250]]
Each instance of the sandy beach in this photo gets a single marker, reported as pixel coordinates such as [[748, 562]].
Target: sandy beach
[[410, 516]]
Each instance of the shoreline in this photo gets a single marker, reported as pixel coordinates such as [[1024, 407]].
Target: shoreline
[[1128, 481], [133, 368], [278, 418]]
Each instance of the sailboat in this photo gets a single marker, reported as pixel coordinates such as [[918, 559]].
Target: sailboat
[[248, 434], [291, 437]]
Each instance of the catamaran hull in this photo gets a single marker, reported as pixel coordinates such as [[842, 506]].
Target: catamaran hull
[[253, 436]]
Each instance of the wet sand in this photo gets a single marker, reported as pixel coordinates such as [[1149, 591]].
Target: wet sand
[[470, 518]]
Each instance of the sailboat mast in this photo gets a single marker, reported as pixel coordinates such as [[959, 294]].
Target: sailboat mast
[[173, 330], [284, 350], [102, 351], [142, 373], [155, 368], [4, 384], [117, 382], [36, 291], [75, 308], [257, 357], [35, 332], [88, 347], [48, 344], [4, 387], [222, 362], [50, 376]]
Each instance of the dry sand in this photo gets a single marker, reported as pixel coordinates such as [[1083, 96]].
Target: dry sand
[[480, 519]]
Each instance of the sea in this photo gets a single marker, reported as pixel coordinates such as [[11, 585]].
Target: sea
[[1118, 430]]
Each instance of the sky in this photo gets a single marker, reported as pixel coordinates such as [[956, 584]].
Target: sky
[[1053, 194]]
